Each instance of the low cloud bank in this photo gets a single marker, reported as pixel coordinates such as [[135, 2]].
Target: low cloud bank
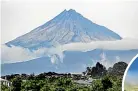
[[124, 44], [18, 54], [15, 54]]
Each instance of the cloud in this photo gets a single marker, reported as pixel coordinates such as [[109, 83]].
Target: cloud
[[124, 44], [15, 54], [105, 61], [18, 54]]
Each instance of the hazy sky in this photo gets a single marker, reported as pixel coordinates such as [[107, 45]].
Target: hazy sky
[[21, 16]]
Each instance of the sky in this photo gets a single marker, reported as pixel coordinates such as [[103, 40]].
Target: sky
[[21, 16], [132, 74], [134, 66]]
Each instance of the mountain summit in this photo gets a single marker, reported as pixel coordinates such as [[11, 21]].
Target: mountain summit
[[67, 27]]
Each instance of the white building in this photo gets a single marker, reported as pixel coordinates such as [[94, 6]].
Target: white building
[[5, 82]]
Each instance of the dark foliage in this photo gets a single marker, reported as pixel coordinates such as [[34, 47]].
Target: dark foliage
[[105, 80]]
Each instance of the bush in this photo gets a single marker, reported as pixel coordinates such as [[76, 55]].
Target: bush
[[60, 89], [16, 83], [97, 85], [106, 83], [45, 88]]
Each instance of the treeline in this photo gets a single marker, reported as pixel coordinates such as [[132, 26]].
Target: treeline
[[99, 70], [106, 80], [40, 76]]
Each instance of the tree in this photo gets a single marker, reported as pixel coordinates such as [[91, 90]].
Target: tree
[[60, 82], [118, 69], [68, 82], [106, 83], [31, 76], [60, 89], [16, 83], [88, 70], [4, 88], [45, 88], [97, 85]]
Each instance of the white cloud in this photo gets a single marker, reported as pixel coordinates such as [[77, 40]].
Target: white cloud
[[117, 58], [124, 44], [19, 54], [15, 54], [106, 62]]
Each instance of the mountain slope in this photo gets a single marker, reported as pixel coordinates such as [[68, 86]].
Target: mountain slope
[[69, 26]]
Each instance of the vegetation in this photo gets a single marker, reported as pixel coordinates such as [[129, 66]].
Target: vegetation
[[130, 87], [104, 80]]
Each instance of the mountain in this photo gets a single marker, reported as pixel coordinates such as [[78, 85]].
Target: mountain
[[74, 62], [67, 27]]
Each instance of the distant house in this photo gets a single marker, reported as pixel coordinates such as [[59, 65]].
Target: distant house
[[5, 82]]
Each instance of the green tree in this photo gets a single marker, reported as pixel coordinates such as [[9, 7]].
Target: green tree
[[16, 83], [45, 88], [5, 88], [60, 89], [97, 85], [106, 83]]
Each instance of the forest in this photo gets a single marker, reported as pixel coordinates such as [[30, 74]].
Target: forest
[[96, 78]]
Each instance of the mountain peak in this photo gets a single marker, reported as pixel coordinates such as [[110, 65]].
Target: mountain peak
[[71, 10], [64, 10], [68, 13]]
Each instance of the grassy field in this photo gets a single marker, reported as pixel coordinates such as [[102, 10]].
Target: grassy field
[[129, 87]]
